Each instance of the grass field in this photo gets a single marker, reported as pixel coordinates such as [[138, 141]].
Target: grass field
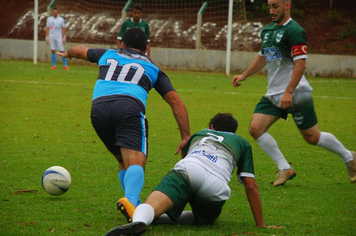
[[45, 121]]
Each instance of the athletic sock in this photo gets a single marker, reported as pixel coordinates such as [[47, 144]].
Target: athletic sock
[[121, 178], [133, 182], [53, 57], [270, 147], [331, 143], [144, 213], [186, 218], [138, 202], [64, 61]]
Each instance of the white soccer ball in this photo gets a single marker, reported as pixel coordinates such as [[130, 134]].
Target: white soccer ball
[[56, 180]]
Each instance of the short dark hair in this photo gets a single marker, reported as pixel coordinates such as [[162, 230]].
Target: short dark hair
[[224, 122], [137, 7], [135, 38]]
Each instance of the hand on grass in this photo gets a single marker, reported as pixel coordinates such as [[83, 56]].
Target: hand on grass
[[275, 227], [180, 148]]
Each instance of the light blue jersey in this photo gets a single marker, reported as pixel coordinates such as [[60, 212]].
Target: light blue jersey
[[127, 72]]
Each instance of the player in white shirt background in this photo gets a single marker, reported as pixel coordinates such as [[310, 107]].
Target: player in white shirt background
[[56, 36]]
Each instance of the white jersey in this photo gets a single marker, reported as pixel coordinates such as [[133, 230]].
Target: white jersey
[[55, 26], [218, 162], [281, 46], [211, 157]]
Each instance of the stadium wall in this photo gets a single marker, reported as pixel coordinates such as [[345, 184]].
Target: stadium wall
[[193, 60]]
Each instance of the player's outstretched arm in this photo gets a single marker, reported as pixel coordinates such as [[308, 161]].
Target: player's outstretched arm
[[181, 115], [254, 200], [257, 65], [77, 51]]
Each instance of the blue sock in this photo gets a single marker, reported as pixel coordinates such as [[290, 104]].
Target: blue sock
[[64, 61], [121, 178], [53, 57], [133, 182]]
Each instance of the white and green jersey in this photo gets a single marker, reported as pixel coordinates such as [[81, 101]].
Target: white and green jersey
[[129, 23], [220, 152], [55, 26], [281, 46]]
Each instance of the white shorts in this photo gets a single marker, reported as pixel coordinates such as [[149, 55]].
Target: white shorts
[[56, 44], [300, 98], [203, 183]]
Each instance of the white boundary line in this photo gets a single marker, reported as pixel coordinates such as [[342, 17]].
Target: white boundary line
[[255, 94], [179, 90], [44, 83]]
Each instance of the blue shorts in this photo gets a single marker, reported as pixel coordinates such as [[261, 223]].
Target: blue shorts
[[121, 123]]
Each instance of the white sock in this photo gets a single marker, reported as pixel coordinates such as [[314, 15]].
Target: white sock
[[331, 143], [270, 147], [144, 213]]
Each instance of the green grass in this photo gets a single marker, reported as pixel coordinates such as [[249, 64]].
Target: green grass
[[45, 121]]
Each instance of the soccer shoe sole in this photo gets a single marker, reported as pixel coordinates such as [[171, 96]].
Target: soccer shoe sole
[[290, 178], [124, 209], [132, 229]]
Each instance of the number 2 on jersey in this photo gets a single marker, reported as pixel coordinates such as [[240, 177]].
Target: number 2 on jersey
[[214, 137]]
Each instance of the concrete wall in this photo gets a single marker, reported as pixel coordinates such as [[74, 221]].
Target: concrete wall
[[194, 60]]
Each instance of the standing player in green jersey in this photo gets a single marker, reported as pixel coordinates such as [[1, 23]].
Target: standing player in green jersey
[[200, 179], [135, 22], [284, 51]]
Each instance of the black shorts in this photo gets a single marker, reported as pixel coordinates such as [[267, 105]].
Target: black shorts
[[121, 123]]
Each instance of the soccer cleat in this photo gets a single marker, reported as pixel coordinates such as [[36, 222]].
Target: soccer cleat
[[66, 68], [132, 229], [53, 67], [284, 175], [125, 207], [351, 167]]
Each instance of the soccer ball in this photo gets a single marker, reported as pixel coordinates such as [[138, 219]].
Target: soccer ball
[[56, 180]]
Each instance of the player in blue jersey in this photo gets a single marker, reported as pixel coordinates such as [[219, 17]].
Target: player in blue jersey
[[200, 179], [126, 76], [284, 51]]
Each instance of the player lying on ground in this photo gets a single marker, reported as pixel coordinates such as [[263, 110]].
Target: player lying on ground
[[200, 179]]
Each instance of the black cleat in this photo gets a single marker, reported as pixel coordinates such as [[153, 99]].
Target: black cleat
[[132, 229]]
